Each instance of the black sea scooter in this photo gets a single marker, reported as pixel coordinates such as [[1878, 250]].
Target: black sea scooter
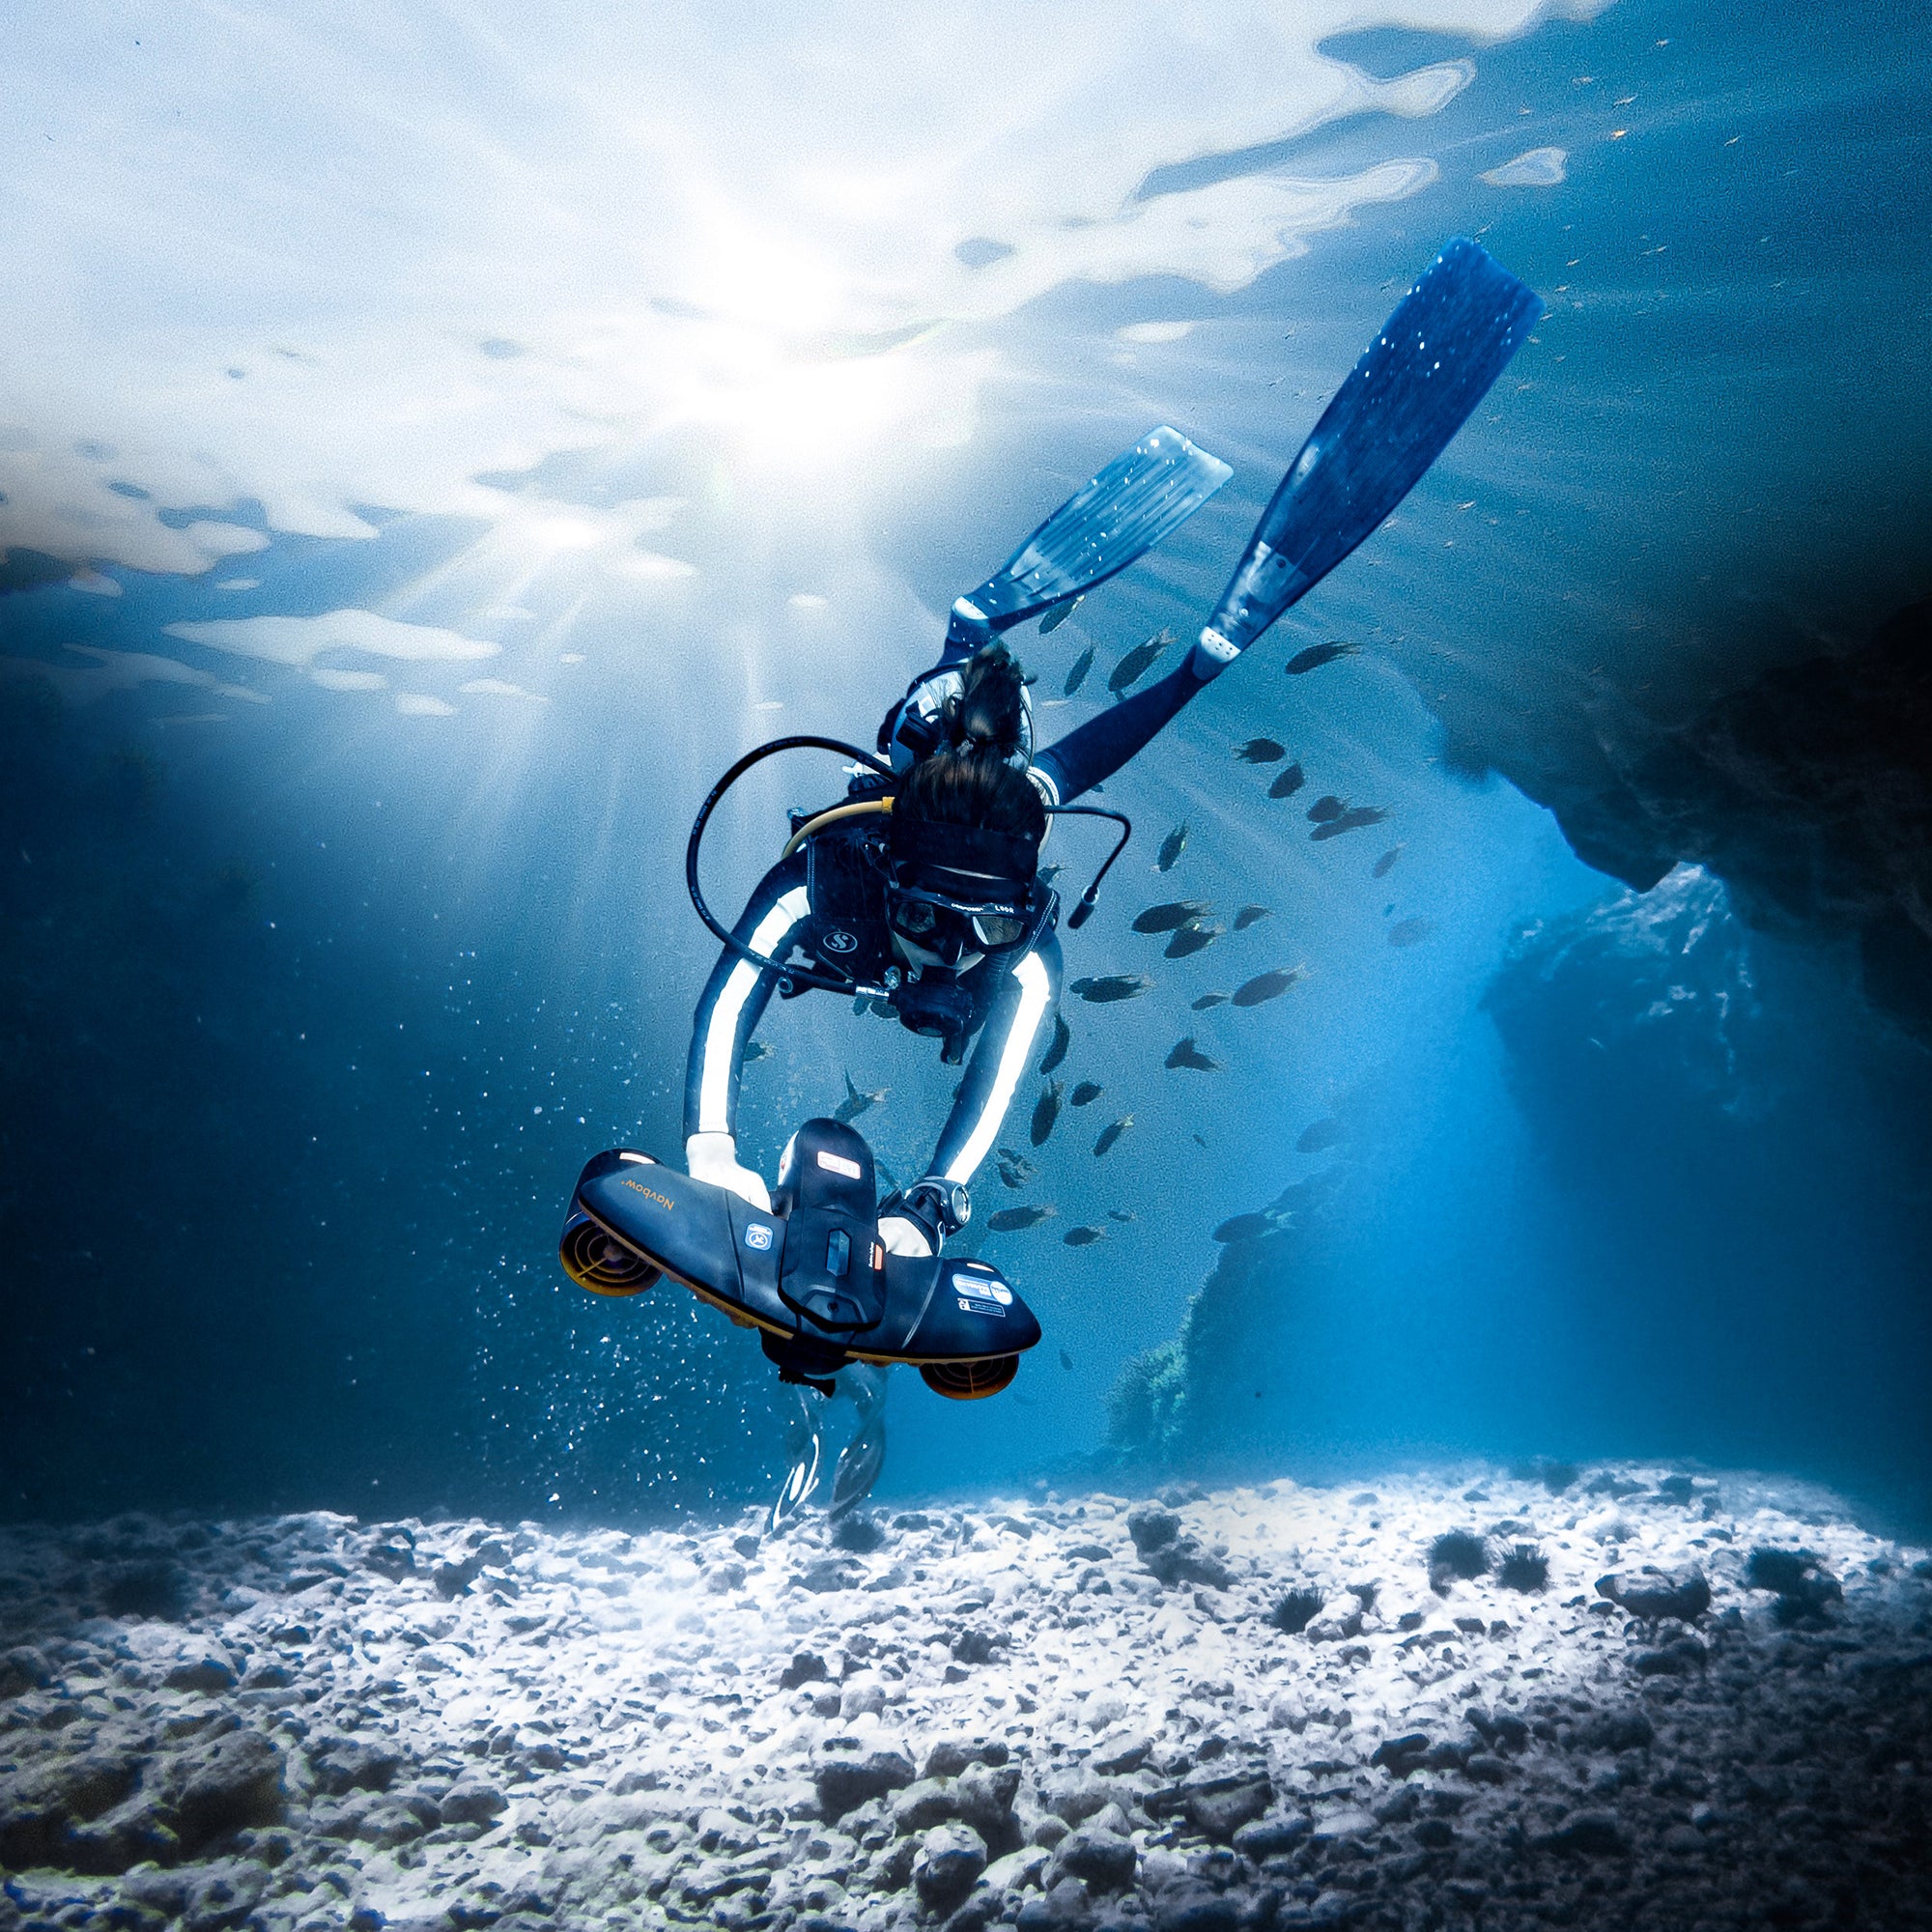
[[813, 1275]]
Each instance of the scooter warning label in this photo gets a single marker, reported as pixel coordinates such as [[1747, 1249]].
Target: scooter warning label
[[982, 1294]]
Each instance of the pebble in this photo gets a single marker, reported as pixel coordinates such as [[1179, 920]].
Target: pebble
[[1055, 1712]]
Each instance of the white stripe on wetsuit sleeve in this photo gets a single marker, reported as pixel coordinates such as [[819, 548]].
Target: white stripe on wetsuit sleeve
[[719, 1037], [1035, 990]]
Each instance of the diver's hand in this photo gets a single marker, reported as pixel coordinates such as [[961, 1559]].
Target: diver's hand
[[714, 1157], [901, 1235]]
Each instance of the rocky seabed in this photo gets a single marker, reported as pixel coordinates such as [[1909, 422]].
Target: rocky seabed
[[1623, 1698]]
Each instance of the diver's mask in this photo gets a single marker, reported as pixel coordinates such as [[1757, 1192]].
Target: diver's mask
[[957, 893]]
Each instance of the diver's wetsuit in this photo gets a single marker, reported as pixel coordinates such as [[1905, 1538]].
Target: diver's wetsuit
[[1009, 999]]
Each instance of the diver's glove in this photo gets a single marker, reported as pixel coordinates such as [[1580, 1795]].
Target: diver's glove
[[714, 1157], [915, 1221]]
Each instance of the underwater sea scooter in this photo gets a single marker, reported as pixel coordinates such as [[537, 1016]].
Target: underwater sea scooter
[[811, 1275]]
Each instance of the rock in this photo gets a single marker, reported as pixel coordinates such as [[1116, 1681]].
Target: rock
[[843, 1783], [805, 1668], [21, 1669], [983, 1905], [949, 1861], [1593, 1834], [1434, 1834], [1482, 1768], [1270, 1838], [1017, 1868], [1220, 1814], [1187, 1561], [1074, 1795], [222, 1787], [1104, 1859], [224, 1894], [984, 1794], [952, 1755], [1152, 1527], [1674, 1660], [1121, 1752], [1685, 1597], [354, 1764], [1288, 1713], [1399, 1807], [1193, 1908], [1400, 1756], [1347, 1823], [829, 1574], [1801, 1589], [1617, 1731], [926, 1803], [472, 1801], [208, 1673]]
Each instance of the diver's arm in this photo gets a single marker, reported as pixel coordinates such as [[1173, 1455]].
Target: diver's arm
[[1098, 748], [1027, 996], [733, 1001]]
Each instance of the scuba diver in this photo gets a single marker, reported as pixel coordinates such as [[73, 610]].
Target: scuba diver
[[918, 891]]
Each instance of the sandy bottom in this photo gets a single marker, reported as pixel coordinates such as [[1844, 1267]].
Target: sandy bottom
[[1661, 1702]]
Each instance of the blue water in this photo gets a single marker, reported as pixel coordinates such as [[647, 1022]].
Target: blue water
[[313, 1006]]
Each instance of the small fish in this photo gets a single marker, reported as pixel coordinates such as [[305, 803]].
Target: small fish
[[1316, 656], [1171, 848], [1386, 862], [1187, 1054], [1269, 985], [1350, 822], [1171, 915], [1046, 1110], [1059, 614], [889, 1179], [1112, 1132], [1062, 1038], [1015, 1170], [1327, 809], [1244, 1227], [858, 1100], [1196, 936], [1138, 662], [1210, 1000], [1083, 1238], [1198, 1140], [1287, 782], [757, 1050], [1260, 752], [1251, 915], [1077, 676], [1121, 1214], [1410, 931], [1320, 1137], [1067, 1361], [1011, 1220], [1085, 1094], [1114, 987], [1047, 874]]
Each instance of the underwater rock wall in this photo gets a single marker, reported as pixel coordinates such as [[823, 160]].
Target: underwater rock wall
[[1626, 1697], [1809, 790]]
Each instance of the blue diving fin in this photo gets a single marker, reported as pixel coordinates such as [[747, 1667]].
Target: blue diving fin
[[1144, 495], [1416, 384]]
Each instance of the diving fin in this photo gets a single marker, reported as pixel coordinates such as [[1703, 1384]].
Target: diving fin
[[1416, 384], [808, 1448], [1144, 495]]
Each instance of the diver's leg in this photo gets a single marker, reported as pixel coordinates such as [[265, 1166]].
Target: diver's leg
[[807, 1460], [1098, 748], [864, 1456]]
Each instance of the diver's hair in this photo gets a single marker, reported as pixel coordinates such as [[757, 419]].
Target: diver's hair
[[971, 788], [987, 713]]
